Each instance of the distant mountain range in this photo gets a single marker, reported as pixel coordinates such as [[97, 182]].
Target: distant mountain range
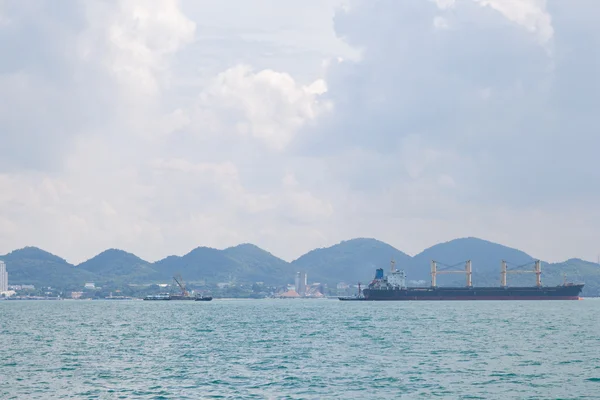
[[350, 261]]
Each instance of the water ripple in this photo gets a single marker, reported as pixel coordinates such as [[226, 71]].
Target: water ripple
[[297, 349]]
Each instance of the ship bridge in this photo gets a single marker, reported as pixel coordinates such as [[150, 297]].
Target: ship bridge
[[396, 278]]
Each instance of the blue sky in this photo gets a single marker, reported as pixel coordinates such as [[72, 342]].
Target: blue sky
[[159, 126]]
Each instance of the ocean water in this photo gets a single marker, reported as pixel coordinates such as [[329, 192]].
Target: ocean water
[[299, 349]]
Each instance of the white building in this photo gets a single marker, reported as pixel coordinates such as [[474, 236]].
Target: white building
[[300, 283], [3, 277]]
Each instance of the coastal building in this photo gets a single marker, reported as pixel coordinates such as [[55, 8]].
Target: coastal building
[[3, 277], [301, 280], [315, 290]]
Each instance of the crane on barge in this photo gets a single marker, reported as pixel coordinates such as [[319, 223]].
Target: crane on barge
[[181, 284]]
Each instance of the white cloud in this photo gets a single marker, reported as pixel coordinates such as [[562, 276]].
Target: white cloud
[[133, 39], [461, 122], [445, 4], [440, 23], [531, 14], [160, 126], [267, 105]]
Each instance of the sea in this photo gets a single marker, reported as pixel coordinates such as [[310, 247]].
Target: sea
[[299, 349]]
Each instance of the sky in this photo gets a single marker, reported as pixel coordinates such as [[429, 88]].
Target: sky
[[156, 126]]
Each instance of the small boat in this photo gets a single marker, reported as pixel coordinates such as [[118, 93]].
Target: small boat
[[203, 298], [359, 297]]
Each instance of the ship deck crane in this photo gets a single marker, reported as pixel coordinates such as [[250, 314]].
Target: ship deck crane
[[537, 270], [467, 271], [181, 285]]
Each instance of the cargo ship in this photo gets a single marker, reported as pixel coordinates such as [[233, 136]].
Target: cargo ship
[[393, 287]]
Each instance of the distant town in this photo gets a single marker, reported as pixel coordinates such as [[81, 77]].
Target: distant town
[[301, 288]]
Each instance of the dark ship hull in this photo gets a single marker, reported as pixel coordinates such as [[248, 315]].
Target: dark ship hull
[[566, 292], [181, 297], [203, 298]]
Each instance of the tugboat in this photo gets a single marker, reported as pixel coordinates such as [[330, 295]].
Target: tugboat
[[203, 298], [358, 297]]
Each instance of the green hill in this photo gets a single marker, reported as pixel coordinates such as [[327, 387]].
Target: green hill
[[200, 263], [243, 263], [260, 264], [119, 266], [34, 266], [350, 261]]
